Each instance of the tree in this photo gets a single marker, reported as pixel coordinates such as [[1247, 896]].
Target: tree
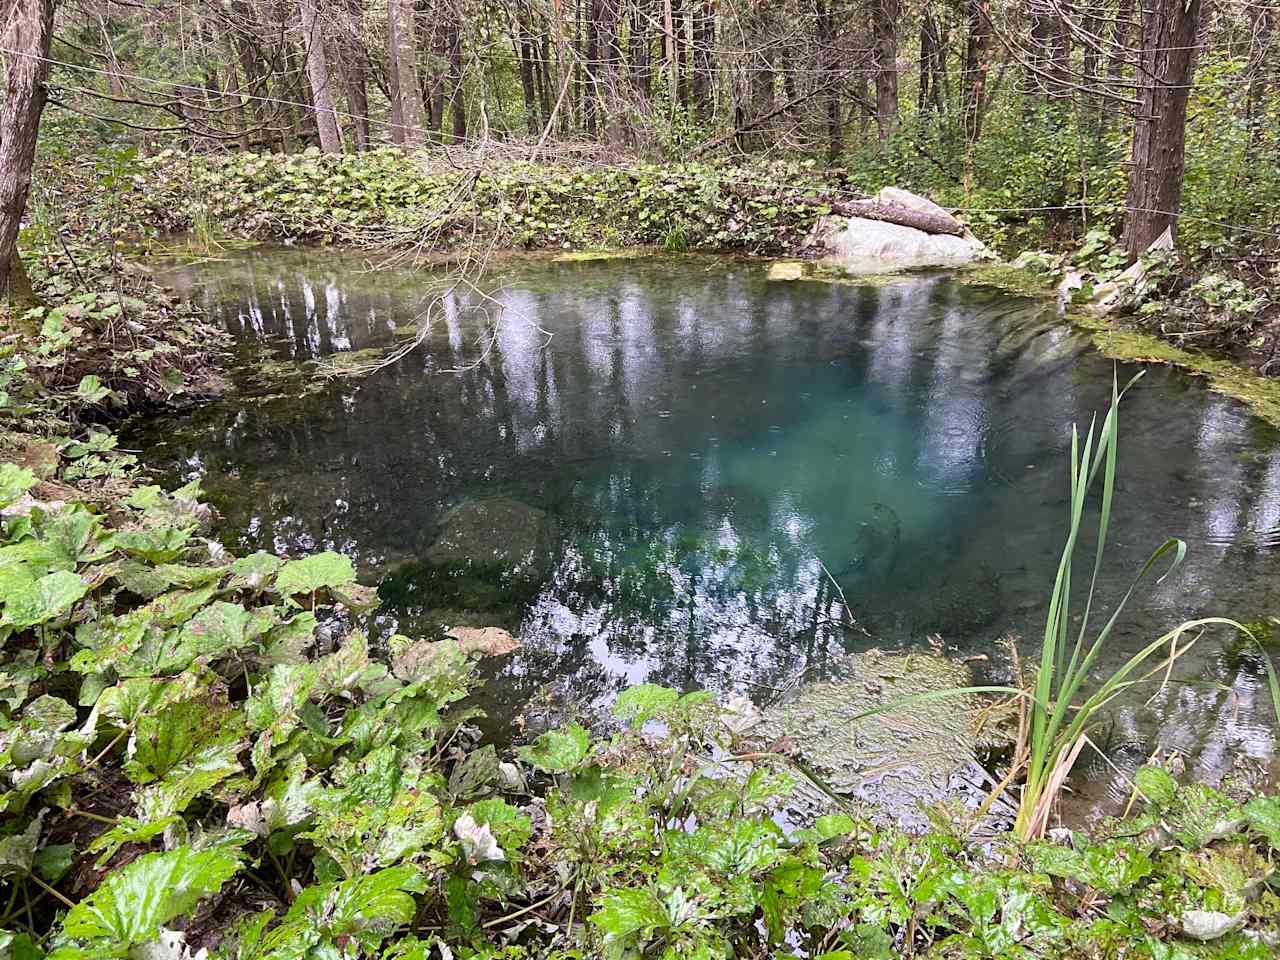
[[1166, 65], [26, 39], [884, 22], [319, 77], [406, 94]]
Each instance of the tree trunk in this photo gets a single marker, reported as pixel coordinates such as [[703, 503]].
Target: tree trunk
[[974, 89], [884, 18], [825, 35], [1166, 66], [406, 94], [318, 76], [591, 80], [27, 35], [356, 73], [522, 40], [1259, 47], [704, 41], [672, 47], [639, 53], [457, 96]]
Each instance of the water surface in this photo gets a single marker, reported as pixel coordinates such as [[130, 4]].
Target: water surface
[[647, 469]]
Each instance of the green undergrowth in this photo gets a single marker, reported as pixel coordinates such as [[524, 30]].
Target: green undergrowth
[[387, 197], [196, 760]]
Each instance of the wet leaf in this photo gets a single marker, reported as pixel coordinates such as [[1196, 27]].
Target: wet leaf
[[558, 751], [53, 862], [1263, 814], [49, 598], [132, 903], [18, 850], [14, 482], [1156, 784], [476, 774], [643, 702], [324, 570], [626, 912], [128, 830]]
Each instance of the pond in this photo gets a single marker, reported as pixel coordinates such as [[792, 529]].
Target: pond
[[678, 471]]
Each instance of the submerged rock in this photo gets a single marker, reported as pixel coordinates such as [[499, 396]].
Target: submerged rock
[[496, 532], [900, 759]]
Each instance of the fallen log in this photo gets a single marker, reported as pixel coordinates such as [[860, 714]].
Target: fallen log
[[902, 216]]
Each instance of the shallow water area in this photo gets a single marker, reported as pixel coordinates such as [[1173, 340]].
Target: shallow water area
[[677, 471]]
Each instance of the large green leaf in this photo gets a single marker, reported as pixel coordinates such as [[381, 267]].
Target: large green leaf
[[132, 903], [643, 702], [43, 600], [626, 912], [323, 571], [558, 751], [14, 482]]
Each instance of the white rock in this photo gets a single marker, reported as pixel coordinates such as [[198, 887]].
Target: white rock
[[862, 246]]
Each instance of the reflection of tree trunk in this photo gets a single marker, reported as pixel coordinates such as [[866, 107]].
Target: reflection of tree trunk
[[1165, 69], [406, 95], [318, 75], [27, 35], [884, 18]]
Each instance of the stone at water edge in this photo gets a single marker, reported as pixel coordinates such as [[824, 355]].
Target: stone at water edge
[[861, 246], [484, 641], [896, 760], [786, 270]]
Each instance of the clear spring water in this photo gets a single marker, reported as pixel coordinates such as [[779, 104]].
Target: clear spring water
[[645, 469]]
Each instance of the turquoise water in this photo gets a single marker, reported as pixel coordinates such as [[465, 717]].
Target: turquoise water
[[646, 469]]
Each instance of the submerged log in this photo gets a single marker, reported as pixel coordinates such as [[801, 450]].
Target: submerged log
[[900, 215]]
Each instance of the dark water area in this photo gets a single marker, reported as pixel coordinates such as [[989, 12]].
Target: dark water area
[[645, 467]]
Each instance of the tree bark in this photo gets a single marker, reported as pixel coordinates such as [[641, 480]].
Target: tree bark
[[355, 70], [704, 40], [319, 78], [28, 33], [522, 41], [457, 96], [825, 35], [977, 42], [884, 18], [902, 216], [1166, 66], [406, 94]]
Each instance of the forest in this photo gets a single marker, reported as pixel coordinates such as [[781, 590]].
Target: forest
[[702, 479]]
